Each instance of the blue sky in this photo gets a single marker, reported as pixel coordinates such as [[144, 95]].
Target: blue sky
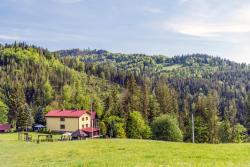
[[169, 27]]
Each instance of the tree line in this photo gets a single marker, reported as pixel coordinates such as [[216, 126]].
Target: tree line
[[129, 103]]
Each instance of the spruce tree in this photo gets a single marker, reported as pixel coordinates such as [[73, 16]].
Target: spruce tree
[[144, 101], [3, 112], [24, 118]]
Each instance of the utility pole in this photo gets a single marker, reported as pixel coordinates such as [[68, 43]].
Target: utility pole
[[193, 127]]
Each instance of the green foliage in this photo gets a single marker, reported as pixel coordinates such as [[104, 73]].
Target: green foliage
[[166, 128], [24, 118], [81, 101], [98, 107], [3, 112], [38, 78], [136, 126], [39, 117], [48, 92], [207, 114], [200, 130], [67, 96], [239, 134], [248, 112], [212, 88], [115, 126], [154, 108], [225, 132], [167, 99], [187, 78], [103, 128]]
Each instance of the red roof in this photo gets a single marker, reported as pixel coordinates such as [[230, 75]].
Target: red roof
[[69, 113], [89, 130], [5, 126]]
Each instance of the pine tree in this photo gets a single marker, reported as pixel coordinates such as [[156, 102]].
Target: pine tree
[[80, 96], [167, 99], [39, 117], [15, 99], [67, 96], [230, 118], [144, 101], [24, 118], [137, 128], [248, 113], [114, 108], [212, 112], [3, 112], [48, 91], [154, 109]]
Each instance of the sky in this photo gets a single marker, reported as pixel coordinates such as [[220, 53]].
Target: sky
[[167, 27]]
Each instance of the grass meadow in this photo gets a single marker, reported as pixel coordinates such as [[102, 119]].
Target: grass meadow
[[120, 152]]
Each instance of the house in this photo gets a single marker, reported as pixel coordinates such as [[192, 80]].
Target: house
[[5, 128], [70, 120]]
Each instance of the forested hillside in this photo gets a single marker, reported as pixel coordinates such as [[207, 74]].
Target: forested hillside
[[192, 77], [135, 96], [33, 81]]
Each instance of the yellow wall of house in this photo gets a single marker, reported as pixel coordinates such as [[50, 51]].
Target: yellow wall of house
[[82, 123], [71, 124]]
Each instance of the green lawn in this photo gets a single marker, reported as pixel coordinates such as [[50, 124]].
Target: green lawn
[[120, 152]]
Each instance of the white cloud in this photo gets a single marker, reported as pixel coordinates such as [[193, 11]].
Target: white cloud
[[11, 37], [206, 29], [210, 19]]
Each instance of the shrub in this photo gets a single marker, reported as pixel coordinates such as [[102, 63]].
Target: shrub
[[240, 134], [166, 128], [115, 127], [137, 127]]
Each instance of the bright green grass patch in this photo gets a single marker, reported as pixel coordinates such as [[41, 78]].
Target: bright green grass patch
[[121, 152], [172, 67]]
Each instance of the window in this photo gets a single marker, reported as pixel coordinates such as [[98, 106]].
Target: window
[[82, 118], [87, 125], [82, 125], [87, 118], [62, 126], [62, 119]]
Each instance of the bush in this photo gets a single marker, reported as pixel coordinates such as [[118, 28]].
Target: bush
[[103, 128], [240, 134], [136, 126], [225, 132], [166, 128], [115, 127]]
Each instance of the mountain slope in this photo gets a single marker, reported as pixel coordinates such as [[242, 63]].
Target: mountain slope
[[34, 76], [190, 75], [196, 65]]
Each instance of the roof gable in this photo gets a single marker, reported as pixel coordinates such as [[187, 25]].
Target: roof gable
[[66, 113], [5, 126]]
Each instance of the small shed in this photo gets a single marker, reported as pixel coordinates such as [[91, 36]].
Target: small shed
[[79, 134], [5, 128], [96, 131]]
